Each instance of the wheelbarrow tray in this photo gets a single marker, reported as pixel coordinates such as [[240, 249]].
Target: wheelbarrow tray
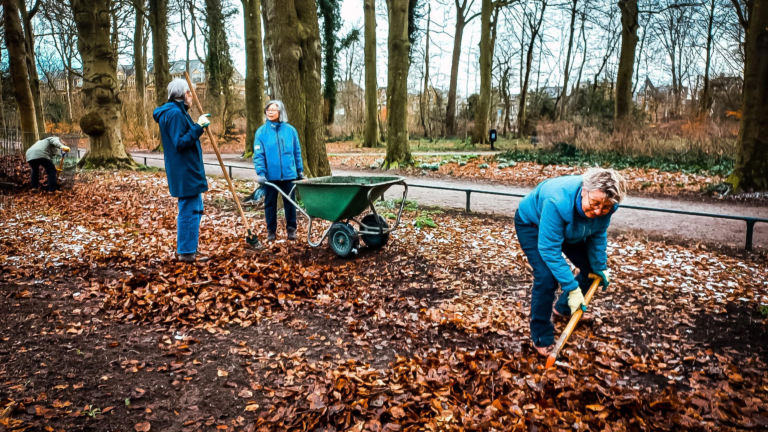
[[337, 198]]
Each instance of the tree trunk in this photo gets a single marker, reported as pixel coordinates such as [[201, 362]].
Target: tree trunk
[[101, 99], [505, 95], [629, 25], [522, 111], [480, 134], [398, 149], [17, 63], [292, 52], [34, 78], [450, 113], [561, 101], [158, 21], [218, 64], [371, 84], [425, 93], [254, 73], [139, 67], [3, 126], [751, 171], [705, 103], [329, 9]]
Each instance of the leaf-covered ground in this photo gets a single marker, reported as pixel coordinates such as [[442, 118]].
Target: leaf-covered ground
[[102, 330], [641, 181]]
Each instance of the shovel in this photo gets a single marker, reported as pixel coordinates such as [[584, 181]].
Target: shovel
[[572, 323], [61, 162], [250, 238]]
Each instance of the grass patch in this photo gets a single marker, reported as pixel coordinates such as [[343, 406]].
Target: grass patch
[[149, 169], [567, 154]]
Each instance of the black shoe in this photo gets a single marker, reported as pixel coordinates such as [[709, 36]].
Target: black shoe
[[291, 234], [188, 258], [271, 236]]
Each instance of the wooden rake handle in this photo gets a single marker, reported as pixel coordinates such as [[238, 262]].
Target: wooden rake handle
[[572, 323], [212, 138]]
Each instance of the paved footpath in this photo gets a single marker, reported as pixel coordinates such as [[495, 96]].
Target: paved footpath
[[691, 229]]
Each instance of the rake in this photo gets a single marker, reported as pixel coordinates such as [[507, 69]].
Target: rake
[[572, 323]]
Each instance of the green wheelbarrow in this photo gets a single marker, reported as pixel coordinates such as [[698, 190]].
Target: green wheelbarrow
[[341, 200]]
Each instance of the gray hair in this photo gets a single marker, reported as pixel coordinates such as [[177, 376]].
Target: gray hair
[[280, 107], [177, 88], [608, 181]]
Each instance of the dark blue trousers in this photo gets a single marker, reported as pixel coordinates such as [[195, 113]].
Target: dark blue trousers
[[545, 285], [270, 206], [50, 171]]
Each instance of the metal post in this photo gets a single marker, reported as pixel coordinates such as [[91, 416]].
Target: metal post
[[750, 230], [467, 210], [145, 160], [230, 170]]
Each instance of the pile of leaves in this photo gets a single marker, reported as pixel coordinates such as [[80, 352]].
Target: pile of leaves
[[15, 170], [493, 390]]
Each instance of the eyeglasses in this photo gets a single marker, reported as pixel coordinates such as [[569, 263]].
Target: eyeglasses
[[598, 204], [273, 110]]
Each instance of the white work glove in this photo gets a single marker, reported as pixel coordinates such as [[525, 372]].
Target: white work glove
[[261, 180], [204, 120], [576, 300]]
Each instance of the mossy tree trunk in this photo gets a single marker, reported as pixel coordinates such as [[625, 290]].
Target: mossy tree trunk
[[629, 39], [398, 149], [218, 65], [371, 84], [34, 78], [101, 98], [254, 73], [17, 61], [292, 54], [158, 22], [480, 134], [751, 171]]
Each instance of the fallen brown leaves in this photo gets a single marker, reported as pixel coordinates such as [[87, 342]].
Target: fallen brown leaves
[[641, 181], [430, 333]]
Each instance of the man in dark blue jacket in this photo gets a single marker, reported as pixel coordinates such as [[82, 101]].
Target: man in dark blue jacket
[[277, 159], [566, 215], [184, 164]]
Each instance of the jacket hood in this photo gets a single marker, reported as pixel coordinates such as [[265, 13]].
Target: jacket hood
[[168, 106]]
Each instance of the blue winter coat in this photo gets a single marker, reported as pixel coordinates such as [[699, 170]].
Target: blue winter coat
[[277, 152], [555, 207], [183, 155]]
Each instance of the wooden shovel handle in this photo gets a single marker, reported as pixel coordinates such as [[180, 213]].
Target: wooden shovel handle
[[212, 138], [572, 323]]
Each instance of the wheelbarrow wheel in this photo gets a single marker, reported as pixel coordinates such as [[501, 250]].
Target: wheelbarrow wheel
[[342, 239], [375, 240]]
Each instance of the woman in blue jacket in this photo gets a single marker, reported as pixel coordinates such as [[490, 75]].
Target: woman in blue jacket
[[184, 164], [566, 215], [277, 159]]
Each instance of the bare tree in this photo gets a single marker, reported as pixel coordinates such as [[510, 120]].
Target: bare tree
[[254, 72], [158, 22], [464, 16], [371, 84], [567, 69], [398, 149], [534, 21], [27, 17]]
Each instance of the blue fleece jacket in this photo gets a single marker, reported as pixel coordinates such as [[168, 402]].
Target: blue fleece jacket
[[554, 206], [277, 152], [183, 154]]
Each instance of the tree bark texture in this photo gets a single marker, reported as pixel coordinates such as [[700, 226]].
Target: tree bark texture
[[34, 78], [158, 21], [480, 134], [292, 54], [462, 10], [254, 72], [329, 9], [17, 61], [101, 99], [751, 171], [371, 83], [705, 102], [398, 149], [629, 26]]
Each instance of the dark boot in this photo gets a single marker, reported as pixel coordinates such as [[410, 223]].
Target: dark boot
[[188, 258], [271, 236], [291, 234]]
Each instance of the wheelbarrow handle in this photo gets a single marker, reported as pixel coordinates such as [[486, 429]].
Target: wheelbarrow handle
[[288, 197]]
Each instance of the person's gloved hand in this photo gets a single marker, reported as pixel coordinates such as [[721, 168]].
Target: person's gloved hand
[[204, 120], [65, 149], [576, 301], [261, 180], [300, 176], [605, 278]]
